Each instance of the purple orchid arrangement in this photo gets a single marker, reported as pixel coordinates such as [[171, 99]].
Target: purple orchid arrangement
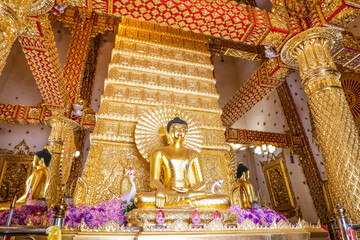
[[114, 209], [22, 215], [262, 216]]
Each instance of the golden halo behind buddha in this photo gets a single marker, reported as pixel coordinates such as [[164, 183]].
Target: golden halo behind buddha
[[151, 133]]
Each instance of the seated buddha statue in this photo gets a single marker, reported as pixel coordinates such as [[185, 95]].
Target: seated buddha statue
[[38, 181], [176, 176], [243, 194]]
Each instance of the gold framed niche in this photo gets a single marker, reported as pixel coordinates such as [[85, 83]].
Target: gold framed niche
[[279, 185], [15, 168]]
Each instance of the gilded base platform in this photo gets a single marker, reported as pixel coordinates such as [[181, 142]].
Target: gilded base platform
[[137, 217], [300, 234]]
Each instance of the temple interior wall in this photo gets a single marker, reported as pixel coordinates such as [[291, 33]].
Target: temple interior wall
[[268, 116], [17, 86]]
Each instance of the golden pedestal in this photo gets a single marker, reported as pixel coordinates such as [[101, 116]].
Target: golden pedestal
[[138, 217], [299, 234]]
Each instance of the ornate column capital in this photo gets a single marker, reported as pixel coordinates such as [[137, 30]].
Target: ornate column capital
[[311, 52], [64, 121]]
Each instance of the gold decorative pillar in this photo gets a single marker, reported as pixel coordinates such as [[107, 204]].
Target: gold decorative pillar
[[62, 147], [336, 130]]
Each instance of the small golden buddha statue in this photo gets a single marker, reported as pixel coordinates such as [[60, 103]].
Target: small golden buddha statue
[[38, 181], [182, 181], [243, 194]]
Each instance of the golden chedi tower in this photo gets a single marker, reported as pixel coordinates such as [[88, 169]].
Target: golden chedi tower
[[152, 67]]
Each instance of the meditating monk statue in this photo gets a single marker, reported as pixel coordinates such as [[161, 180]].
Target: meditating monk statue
[[182, 180], [243, 194], [38, 181]]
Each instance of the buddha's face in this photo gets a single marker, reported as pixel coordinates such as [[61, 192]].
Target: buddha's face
[[178, 132], [245, 175], [37, 161]]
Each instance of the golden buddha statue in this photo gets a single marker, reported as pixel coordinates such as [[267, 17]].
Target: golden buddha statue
[[182, 181], [243, 194], [38, 181]]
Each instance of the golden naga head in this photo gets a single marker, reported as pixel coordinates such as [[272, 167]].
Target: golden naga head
[[176, 130]]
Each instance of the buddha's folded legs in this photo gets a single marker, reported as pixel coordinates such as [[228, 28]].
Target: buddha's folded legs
[[191, 199], [214, 201], [147, 200]]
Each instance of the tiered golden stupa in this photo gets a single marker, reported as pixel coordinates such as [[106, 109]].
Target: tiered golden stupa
[[156, 73]]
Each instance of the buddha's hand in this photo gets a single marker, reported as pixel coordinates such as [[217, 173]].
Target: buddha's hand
[[160, 196], [180, 190], [199, 186]]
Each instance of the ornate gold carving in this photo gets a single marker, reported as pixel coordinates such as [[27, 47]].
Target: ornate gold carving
[[62, 148], [101, 24], [40, 7], [10, 26], [140, 216], [335, 127], [233, 163], [319, 37], [279, 185], [15, 168], [350, 82], [251, 137], [76, 56], [39, 46], [220, 46]]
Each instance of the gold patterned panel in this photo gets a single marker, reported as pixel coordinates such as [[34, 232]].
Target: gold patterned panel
[[15, 168], [279, 185]]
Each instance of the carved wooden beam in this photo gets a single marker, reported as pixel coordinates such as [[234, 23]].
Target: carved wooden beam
[[256, 138], [337, 13], [76, 56], [267, 78], [22, 114], [85, 93], [39, 46], [221, 18], [220, 46], [348, 54], [305, 154], [101, 22]]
